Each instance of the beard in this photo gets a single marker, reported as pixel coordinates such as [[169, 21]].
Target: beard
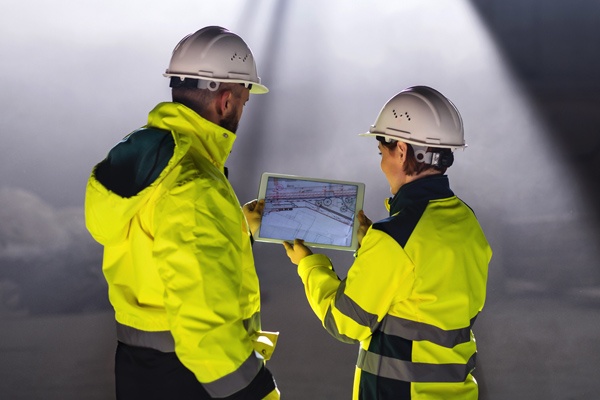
[[231, 121]]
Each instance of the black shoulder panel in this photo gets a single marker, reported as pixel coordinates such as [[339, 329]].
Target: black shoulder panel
[[402, 225], [135, 162]]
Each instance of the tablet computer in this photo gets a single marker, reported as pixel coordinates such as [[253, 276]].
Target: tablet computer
[[322, 212]]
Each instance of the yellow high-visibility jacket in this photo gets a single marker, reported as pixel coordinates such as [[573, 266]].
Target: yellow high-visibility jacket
[[410, 298], [177, 248]]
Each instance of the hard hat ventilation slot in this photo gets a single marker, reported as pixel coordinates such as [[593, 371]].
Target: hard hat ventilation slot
[[235, 55], [400, 115]]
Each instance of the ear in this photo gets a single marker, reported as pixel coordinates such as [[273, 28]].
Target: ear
[[223, 102], [402, 150]]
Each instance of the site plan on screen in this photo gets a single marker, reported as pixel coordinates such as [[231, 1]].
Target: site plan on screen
[[315, 212]]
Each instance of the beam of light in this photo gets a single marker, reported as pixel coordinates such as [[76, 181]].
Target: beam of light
[[335, 73]]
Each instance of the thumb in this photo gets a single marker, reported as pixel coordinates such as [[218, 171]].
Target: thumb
[[260, 204], [363, 218]]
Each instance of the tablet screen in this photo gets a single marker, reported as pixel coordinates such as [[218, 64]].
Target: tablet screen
[[319, 211]]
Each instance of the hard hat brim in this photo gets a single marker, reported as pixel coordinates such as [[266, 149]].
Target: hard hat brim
[[415, 142], [257, 88]]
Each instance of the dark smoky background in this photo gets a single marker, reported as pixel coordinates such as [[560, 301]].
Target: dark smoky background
[[525, 74]]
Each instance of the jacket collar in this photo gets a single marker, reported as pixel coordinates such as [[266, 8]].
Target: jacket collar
[[421, 190], [209, 139]]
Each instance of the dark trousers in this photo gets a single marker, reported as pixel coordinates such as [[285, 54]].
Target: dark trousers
[[148, 374]]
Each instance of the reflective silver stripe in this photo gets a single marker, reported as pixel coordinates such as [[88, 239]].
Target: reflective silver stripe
[[391, 325], [407, 371], [413, 330], [235, 381], [331, 327], [161, 340], [350, 308], [252, 324]]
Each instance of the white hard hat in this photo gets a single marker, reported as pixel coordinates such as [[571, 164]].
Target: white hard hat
[[214, 54], [421, 116]]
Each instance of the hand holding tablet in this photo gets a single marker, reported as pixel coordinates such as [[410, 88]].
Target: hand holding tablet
[[321, 212]]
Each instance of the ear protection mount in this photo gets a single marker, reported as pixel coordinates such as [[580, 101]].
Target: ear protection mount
[[442, 158], [210, 85]]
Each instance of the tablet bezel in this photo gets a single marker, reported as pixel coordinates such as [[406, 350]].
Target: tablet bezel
[[360, 195]]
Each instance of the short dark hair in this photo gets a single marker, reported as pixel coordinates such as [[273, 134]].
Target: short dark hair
[[412, 166], [200, 99]]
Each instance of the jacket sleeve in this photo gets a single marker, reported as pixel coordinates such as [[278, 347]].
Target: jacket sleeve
[[198, 238], [351, 309]]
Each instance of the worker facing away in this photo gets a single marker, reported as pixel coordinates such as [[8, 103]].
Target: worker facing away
[[177, 244], [418, 281]]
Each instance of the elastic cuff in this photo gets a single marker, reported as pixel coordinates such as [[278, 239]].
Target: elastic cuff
[[313, 261]]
